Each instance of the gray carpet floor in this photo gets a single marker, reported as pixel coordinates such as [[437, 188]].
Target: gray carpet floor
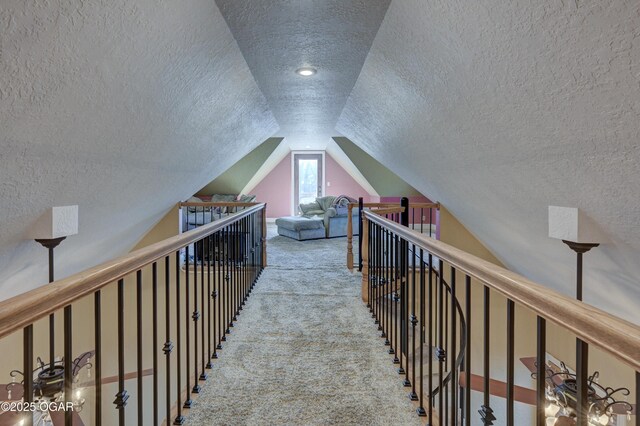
[[305, 350]]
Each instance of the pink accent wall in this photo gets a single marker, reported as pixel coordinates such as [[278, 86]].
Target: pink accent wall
[[341, 181], [275, 188]]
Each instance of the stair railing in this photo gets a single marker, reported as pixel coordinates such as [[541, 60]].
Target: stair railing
[[425, 320], [159, 309], [426, 221]]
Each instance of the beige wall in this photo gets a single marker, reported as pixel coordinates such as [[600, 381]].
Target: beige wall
[[560, 343]]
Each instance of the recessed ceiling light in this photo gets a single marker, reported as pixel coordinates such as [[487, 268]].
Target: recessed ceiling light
[[306, 71]]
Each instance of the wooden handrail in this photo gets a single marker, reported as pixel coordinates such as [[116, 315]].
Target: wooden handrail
[[382, 208], [388, 210], [218, 204], [24, 309], [613, 335], [411, 206]]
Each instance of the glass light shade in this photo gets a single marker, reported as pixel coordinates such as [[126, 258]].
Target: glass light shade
[[551, 410]]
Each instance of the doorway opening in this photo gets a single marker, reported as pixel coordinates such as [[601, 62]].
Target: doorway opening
[[308, 177]]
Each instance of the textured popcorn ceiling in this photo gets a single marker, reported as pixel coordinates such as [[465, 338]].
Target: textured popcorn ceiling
[[279, 36], [500, 109], [122, 107], [497, 109]]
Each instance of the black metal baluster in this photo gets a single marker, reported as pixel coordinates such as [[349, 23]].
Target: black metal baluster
[[384, 288], [179, 417], [403, 296], [510, 353], [27, 365], [203, 299], [227, 278], [373, 277], [467, 357], [582, 375], [211, 304], [390, 292], [430, 339], [360, 215], [421, 411], [139, 344], [168, 346], [414, 322], [234, 266], [486, 413], [452, 357], [188, 402], [441, 354], [381, 286], [637, 397], [154, 307], [370, 267], [447, 351], [405, 301], [541, 371], [377, 274], [218, 273], [396, 299], [97, 363], [121, 396], [195, 316]]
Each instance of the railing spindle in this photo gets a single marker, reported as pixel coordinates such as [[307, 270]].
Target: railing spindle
[[188, 402], [121, 396], [414, 322], [179, 417], [195, 316], [168, 346], [510, 355], [27, 365], [203, 299], [139, 345], [156, 348], [396, 299], [97, 363], [467, 355], [430, 339], [452, 356], [421, 411], [541, 371], [485, 411], [211, 313], [441, 351]]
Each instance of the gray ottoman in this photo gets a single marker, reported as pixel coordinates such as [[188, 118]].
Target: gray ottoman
[[300, 228]]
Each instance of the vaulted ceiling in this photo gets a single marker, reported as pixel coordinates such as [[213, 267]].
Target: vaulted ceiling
[[497, 109], [280, 36]]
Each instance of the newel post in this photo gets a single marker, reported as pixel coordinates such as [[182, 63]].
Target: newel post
[[350, 237], [264, 236], [364, 238]]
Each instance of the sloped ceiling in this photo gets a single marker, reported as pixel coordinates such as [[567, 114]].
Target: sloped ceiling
[[500, 109], [236, 177], [279, 36], [121, 107], [385, 182]]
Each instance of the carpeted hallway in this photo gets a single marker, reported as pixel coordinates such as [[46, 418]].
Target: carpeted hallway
[[304, 350]]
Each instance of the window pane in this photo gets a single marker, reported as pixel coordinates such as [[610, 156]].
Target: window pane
[[308, 180]]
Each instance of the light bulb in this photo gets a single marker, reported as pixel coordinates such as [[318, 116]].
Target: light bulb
[[604, 420], [551, 410], [78, 394]]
